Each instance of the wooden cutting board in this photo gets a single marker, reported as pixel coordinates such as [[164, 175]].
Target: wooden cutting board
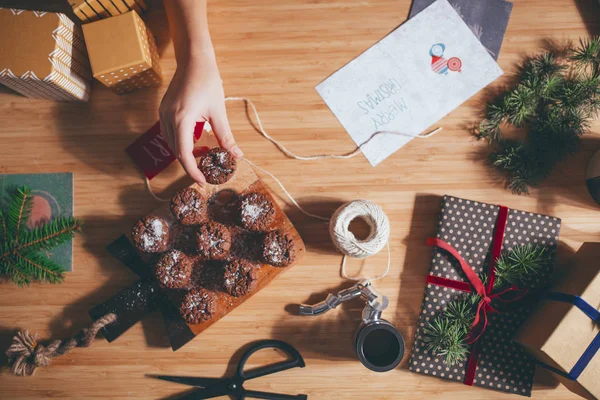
[[221, 200]]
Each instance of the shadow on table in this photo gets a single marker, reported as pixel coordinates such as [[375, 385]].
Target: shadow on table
[[416, 266], [322, 337], [6, 337], [590, 14], [98, 231], [314, 232], [566, 184], [98, 132]]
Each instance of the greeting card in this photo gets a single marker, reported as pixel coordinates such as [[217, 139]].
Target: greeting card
[[409, 80], [52, 197]]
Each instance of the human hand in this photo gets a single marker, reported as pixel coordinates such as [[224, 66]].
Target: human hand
[[195, 94]]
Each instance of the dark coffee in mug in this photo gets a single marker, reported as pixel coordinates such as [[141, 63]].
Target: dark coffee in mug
[[379, 345]]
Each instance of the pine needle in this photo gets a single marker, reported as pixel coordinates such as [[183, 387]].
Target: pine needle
[[446, 335], [19, 248], [555, 99], [3, 232], [51, 234], [41, 267], [19, 211], [521, 264]]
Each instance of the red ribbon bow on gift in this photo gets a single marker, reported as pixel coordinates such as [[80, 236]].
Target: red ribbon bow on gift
[[480, 322], [475, 285]]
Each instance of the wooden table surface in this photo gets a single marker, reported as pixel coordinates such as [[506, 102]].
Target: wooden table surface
[[274, 52]]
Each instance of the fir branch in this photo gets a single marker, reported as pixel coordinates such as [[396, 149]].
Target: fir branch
[[521, 264], [3, 232], [555, 99], [446, 335], [19, 211], [16, 275], [461, 313], [19, 256], [488, 130], [587, 55], [522, 103], [51, 234], [512, 157], [40, 267], [444, 338]]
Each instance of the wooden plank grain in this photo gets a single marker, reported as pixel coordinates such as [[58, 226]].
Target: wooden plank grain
[[274, 53]]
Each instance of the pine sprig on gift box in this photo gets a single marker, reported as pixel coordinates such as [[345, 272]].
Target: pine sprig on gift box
[[554, 100], [447, 335], [20, 256], [523, 262]]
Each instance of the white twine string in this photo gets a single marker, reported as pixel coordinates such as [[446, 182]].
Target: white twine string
[[349, 245], [351, 154], [339, 223]]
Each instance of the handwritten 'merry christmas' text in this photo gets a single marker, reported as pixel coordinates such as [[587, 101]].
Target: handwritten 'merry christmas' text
[[383, 103]]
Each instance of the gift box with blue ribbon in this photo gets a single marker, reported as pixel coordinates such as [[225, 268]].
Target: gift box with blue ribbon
[[564, 333]]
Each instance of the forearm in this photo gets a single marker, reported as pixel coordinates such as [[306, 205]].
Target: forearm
[[196, 90], [188, 24]]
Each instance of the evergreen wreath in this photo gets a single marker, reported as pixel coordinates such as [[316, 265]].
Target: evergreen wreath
[[21, 259], [447, 334], [554, 100]]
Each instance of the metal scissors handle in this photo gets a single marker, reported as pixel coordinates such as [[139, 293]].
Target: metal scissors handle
[[213, 387], [295, 361]]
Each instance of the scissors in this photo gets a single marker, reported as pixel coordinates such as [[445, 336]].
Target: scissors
[[234, 386]]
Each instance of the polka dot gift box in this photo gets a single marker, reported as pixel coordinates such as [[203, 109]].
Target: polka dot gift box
[[470, 238], [123, 53]]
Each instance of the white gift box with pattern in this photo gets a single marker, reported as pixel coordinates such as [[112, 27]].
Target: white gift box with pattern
[[42, 55]]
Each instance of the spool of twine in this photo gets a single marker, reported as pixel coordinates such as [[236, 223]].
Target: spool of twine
[[346, 241], [350, 246]]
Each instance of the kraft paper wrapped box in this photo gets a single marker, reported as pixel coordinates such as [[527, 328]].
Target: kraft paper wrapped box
[[93, 10], [42, 55], [123, 53], [479, 233], [564, 332], [80, 10]]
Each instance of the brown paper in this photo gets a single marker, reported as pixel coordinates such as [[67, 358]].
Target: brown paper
[[123, 53], [41, 55], [559, 333], [93, 10]]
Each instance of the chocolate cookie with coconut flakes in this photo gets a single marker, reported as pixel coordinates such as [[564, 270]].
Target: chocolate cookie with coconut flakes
[[151, 234]]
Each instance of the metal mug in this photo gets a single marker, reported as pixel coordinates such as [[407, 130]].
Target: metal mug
[[378, 344]]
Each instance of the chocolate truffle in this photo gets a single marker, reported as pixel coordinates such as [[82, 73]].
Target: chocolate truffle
[[239, 277], [278, 249], [188, 207], [213, 240], [198, 305], [257, 212], [173, 270], [218, 166], [151, 234]]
